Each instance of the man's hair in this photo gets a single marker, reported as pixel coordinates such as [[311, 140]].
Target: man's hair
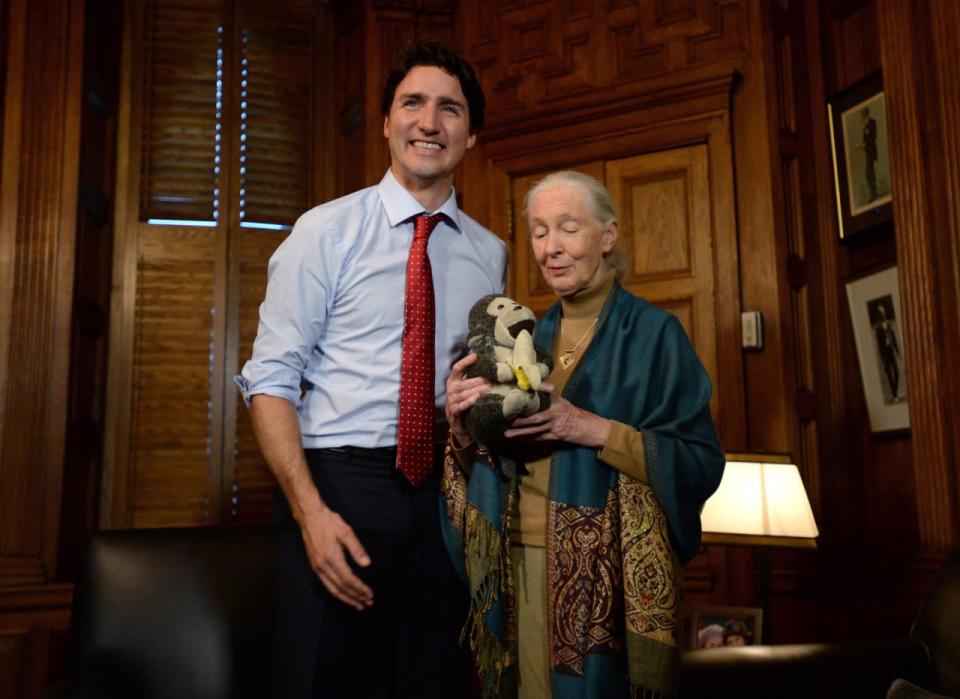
[[433, 53]]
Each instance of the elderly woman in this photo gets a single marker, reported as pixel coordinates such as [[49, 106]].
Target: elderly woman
[[574, 571]]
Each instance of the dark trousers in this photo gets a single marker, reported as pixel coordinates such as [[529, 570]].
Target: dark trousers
[[406, 644]]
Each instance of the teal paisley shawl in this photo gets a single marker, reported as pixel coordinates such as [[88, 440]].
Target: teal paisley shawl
[[615, 546]]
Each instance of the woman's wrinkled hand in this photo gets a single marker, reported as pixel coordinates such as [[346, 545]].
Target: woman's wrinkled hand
[[563, 422]]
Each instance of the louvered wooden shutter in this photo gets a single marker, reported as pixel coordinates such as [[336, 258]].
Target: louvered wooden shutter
[[218, 147], [278, 48], [251, 486], [179, 123], [169, 448], [275, 178], [168, 465]]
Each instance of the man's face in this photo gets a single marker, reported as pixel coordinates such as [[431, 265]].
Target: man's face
[[428, 128]]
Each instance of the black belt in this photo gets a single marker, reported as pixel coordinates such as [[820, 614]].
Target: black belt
[[388, 454], [384, 454]]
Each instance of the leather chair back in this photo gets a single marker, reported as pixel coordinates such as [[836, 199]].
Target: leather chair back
[[938, 627], [177, 612]]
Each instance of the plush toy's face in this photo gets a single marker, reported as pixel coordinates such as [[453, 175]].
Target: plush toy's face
[[501, 317]]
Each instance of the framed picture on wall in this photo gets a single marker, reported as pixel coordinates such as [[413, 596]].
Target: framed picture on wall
[[874, 302], [714, 626], [861, 162]]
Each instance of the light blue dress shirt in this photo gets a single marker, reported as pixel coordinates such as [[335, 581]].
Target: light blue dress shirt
[[333, 312]]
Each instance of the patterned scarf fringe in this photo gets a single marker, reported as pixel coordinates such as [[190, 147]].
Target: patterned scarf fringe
[[489, 572]]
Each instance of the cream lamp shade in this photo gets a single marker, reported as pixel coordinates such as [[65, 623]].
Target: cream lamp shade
[[761, 501]]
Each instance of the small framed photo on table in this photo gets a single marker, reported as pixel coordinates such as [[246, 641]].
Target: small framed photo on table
[[861, 162], [874, 302], [714, 626]]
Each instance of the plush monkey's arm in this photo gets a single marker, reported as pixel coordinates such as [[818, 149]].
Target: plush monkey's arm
[[487, 366], [544, 361]]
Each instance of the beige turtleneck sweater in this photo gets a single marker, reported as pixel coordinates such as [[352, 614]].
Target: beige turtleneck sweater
[[624, 446]]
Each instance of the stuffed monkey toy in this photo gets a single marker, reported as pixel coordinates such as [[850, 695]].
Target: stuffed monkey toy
[[500, 335]]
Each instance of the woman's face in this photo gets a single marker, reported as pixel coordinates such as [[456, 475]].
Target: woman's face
[[568, 242]]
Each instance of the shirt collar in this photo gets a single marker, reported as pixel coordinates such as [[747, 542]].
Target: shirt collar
[[401, 206]]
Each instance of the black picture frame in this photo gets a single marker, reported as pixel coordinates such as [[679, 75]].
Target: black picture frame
[[861, 162], [876, 317]]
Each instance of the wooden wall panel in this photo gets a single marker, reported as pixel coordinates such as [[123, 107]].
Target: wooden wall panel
[[764, 285], [799, 242], [667, 231], [858, 478], [537, 58], [352, 127], [856, 464], [925, 187], [944, 20], [42, 63], [34, 639], [38, 201], [94, 252]]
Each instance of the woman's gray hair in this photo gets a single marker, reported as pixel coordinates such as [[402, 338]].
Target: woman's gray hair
[[601, 203]]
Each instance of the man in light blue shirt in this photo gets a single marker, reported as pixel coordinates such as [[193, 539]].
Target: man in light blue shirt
[[368, 601]]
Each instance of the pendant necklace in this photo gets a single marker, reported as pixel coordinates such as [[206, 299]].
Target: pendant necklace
[[568, 356]]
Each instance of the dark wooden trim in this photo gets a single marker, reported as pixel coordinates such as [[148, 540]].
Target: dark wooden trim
[[114, 489], [763, 283], [786, 542], [619, 101], [38, 225], [36, 597], [911, 104]]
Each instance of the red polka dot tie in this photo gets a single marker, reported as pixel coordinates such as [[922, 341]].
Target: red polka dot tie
[[415, 427]]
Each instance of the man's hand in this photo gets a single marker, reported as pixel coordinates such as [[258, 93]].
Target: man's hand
[[462, 393], [326, 536], [563, 422]]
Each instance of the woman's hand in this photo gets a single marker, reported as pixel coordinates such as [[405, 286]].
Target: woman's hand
[[462, 393], [562, 421]]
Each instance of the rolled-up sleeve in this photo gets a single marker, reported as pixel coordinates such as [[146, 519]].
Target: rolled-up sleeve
[[300, 277]]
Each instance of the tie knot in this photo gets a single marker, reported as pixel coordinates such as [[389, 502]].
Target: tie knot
[[425, 224]]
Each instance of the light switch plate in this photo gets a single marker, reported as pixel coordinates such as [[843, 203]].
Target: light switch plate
[[751, 330]]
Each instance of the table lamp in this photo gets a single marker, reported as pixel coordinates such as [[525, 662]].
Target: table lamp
[[761, 502]]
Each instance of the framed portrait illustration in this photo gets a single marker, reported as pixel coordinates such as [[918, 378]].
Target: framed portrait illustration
[[715, 626], [861, 162], [874, 302]]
